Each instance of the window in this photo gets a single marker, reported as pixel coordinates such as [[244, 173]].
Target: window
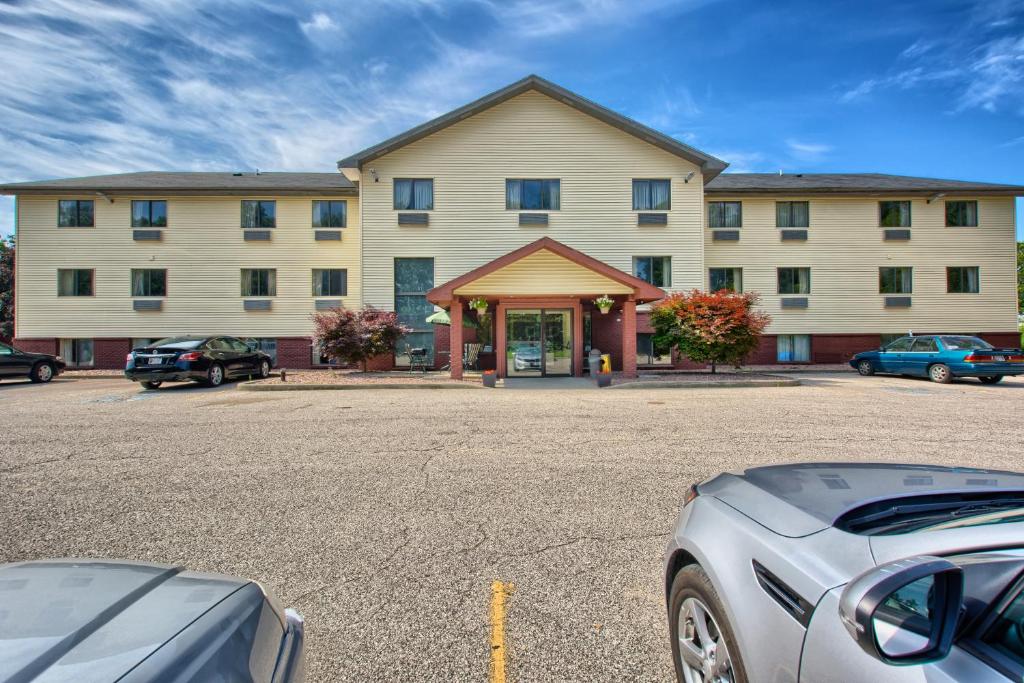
[[645, 354], [792, 214], [147, 213], [259, 282], [414, 277], [901, 344], [963, 280], [74, 282], [330, 282], [794, 280], [142, 342], [533, 195], [725, 214], [654, 269], [652, 195], [793, 348], [898, 280], [925, 345], [267, 345], [6, 350], [886, 339], [414, 194], [329, 214], [725, 278], [149, 282], [76, 352], [962, 214], [75, 213], [259, 213], [1004, 636], [894, 214], [320, 359]]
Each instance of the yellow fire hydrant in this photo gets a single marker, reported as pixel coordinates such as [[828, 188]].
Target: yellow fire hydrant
[[606, 362]]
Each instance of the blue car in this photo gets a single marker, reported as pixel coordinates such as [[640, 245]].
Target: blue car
[[941, 357]]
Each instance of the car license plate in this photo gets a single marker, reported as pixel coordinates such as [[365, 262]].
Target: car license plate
[[999, 359], [156, 361]]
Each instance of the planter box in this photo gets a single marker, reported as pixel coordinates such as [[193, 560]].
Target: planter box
[[490, 379], [604, 379]]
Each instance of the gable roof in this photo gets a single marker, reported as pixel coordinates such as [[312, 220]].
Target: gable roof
[[181, 183], [850, 183], [642, 290], [711, 166]]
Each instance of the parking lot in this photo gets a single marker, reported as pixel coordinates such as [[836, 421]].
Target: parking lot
[[385, 516]]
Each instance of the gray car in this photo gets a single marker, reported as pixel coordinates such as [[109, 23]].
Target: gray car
[[88, 620], [849, 573]]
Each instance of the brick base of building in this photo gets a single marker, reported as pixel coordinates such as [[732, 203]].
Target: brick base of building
[[295, 353]]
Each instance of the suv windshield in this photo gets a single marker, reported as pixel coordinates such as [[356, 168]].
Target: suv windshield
[[964, 343], [933, 513]]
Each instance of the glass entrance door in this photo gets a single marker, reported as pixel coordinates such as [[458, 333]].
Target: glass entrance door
[[538, 342]]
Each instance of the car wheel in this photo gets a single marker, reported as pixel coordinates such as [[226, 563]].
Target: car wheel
[[866, 368], [703, 643], [264, 369], [150, 385], [995, 379], [41, 373], [215, 375], [940, 373]]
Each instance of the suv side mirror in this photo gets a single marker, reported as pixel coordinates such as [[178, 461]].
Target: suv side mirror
[[904, 612]]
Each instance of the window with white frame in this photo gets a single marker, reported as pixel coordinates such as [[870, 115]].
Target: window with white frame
[[730, 279], [725, 214], [77, 353], [793, 348]]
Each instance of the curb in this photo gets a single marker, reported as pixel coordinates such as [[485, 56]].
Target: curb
[[283, 386], [111, 376], [748, 383]]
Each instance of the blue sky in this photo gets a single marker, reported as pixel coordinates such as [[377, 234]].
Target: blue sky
[[930, 88]]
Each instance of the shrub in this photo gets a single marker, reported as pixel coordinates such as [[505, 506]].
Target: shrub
[[709, 327], [356, 336]]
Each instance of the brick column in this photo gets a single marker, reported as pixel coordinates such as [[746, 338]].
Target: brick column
[[629, 338], [455, 337], [500, 342]]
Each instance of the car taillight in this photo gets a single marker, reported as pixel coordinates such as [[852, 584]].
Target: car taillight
[[1015, 359], [691, 495], [191, 355], [977, 358], [129, 357]]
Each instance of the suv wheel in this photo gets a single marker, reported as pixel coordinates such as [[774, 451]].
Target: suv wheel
[[940, 373], [866, 368], [703, 644], [41, 373]]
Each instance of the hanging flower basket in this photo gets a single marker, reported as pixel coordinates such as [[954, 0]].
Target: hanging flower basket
[[480, 304], [604, 303]]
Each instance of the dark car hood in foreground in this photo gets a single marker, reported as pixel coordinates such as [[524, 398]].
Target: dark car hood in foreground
[[819, 493], [71, 620]]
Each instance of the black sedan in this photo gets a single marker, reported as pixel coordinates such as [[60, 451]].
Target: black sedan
[[209, 360], [38, 367], [103, 620]]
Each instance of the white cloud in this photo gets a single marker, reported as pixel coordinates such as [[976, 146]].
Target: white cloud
[[808, 152], [742, 161], [319, 22]]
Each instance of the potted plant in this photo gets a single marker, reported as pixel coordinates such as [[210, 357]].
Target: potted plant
[[490, 378], [480, 304], [604, 303]]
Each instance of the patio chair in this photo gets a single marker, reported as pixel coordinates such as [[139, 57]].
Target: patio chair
[[417, 359], [471, 356]]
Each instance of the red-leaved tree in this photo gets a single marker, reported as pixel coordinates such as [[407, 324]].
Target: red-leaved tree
[[356, 336], [709, 327], [6, 289]]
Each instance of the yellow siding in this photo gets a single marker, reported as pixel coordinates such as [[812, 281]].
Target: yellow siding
[[543, 272], [845, 249], [203, 252], [529, 136]]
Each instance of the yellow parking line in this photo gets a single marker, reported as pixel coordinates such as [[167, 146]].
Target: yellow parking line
[[499, 591]]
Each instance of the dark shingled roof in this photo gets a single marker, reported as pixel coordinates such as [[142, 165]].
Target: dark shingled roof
[[181, 183], [710, 165], [849, 183]]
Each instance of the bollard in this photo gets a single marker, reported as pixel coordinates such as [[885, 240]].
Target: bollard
[[284, 375]]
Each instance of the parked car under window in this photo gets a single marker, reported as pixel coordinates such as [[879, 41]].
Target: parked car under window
[[149, 213], [414, 194], [259, 213], [652, 195], [533, 195], [75, 213]]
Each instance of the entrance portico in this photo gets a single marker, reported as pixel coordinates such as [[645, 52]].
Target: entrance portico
[[539, 295]]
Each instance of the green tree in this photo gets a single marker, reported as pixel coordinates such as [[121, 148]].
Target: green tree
[[709, 327], [6, 289]]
